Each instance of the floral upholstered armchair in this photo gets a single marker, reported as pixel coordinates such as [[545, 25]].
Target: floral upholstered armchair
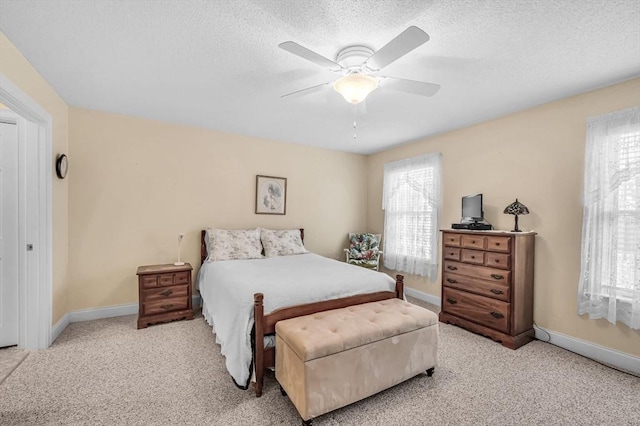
[[364, 250]]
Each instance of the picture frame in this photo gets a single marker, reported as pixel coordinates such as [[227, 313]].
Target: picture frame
[[271, 195]]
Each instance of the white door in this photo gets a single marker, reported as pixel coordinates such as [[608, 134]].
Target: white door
[[8, 233]]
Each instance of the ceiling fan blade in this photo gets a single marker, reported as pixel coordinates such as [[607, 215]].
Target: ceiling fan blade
[[307, 91], [410, 86], [404, 43], [309, 55]]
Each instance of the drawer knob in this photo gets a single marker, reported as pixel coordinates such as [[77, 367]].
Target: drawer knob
[[452, 268], [451, 280], [167, 307], [497, 315], [497, 276], [497, 260], [473, 257], [452, 300], [473, 241], [496, 291], [497, 244], [167, 293]]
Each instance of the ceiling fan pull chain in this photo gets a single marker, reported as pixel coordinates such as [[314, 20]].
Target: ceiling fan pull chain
[[355, 130]]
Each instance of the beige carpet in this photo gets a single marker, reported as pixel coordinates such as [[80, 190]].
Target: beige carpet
[[10, 359], [106, 372]]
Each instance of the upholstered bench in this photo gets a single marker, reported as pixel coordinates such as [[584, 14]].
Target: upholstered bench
[[328, 360]]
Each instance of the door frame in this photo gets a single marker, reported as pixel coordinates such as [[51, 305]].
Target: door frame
[[35, 217]]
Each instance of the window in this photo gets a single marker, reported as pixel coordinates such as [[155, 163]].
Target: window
[[610, 265], [411, 203]]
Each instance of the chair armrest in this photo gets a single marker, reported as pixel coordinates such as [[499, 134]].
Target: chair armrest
[[346, 255]]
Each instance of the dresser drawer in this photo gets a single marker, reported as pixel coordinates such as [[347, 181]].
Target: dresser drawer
[[165, 305], [451, 253], [502, 244], [483, 272], [483, 310], [472, 256], [495, 290], [165, 279], [164, 293], [452, 240], [497, 260], [473, 241]]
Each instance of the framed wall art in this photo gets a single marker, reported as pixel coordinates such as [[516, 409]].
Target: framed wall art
[[271, 195]]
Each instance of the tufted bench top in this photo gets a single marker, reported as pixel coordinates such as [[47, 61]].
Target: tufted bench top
[[329, 332]]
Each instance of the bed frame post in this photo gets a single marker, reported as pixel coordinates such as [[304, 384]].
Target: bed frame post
[[258, 317], [400, 286]]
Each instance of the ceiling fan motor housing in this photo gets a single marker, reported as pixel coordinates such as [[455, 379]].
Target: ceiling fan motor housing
[[353, 57]]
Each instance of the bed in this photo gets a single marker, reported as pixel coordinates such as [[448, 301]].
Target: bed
[[244, 299]]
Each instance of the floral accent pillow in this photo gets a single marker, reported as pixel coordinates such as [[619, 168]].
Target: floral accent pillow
[[364, 246], [234, 244], [282, 243]]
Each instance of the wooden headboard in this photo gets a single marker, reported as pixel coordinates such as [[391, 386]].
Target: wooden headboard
[[203, 244]]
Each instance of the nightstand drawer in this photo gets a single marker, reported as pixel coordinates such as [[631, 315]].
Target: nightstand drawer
[[489, 312], [166, 305], [164, 293], [165, 279], [474, 285]]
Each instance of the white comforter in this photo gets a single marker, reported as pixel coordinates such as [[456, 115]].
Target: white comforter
[[227, 289]]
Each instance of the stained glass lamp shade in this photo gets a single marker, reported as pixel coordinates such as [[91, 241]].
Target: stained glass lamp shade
[[516, 208]]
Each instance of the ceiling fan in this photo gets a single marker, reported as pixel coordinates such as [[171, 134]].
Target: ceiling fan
[[359, 66]]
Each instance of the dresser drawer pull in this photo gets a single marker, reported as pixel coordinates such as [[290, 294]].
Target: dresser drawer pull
[[496, 314], [451, 280], [452, 268], [452, 300], [167, 307], [496, 291], [166, 293], [473, 257], [497, 276]]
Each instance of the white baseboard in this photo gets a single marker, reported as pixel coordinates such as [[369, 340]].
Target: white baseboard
[[599, 353], [613, 358], [421, 295], [100, 313]]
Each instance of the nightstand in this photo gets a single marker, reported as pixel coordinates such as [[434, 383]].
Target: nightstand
[[164, 294]]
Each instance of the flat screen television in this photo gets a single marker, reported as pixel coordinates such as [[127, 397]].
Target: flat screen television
[[472, 209]]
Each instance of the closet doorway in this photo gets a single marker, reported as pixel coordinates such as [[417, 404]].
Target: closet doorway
[[34, 215]]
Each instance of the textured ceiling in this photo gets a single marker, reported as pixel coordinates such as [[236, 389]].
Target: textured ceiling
[[216, 64]]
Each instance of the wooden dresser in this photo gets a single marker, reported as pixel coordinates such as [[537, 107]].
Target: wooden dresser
[[487, 283], [164, 294]]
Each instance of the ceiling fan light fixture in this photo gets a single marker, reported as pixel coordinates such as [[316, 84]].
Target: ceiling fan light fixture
[[354, 88]]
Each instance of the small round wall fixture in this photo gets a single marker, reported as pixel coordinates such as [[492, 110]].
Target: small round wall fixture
[[62, 166]]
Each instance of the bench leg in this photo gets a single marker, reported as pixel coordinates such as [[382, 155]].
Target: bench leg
[[430, 371]]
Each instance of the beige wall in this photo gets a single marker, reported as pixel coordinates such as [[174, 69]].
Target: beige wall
[[537, 156], [17, 69], [135, 184]]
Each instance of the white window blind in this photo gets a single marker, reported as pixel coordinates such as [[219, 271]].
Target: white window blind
[[411, 202], [610, 264]]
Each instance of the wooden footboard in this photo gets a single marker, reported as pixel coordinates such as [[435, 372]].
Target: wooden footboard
[[266, 324]]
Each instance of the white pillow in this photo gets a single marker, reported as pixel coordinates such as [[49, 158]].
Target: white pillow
[[281, 243], [225, 244]]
